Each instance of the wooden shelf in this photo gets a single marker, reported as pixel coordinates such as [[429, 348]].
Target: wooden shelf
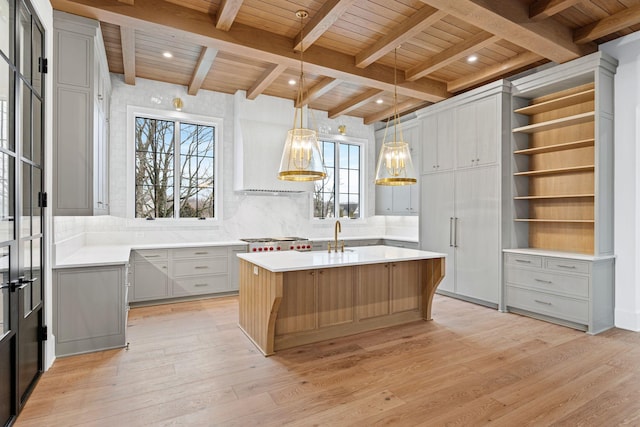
[[576, 221], [557, 123], [554, 104], [564, 196], [556, 171], [557, 147]]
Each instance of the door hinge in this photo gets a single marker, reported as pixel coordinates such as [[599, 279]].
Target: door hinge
[[43, 333], [42, 199], [43, 65]]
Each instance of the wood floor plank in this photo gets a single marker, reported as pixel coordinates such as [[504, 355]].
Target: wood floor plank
[[189, 364]]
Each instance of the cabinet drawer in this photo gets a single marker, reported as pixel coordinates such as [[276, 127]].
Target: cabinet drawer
[[199, 252], [523, 260], [199, 267], [567, 265], [548, 281], [566, 308], [200, 285], [151, 254]]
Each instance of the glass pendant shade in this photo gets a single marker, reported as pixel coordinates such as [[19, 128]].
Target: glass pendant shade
[[394, 165], [301, 159]]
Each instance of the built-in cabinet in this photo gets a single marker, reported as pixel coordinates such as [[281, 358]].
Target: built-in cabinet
[[562, 199], [81, 93], [463, 161], [89, 308], [160, 274], [403, 199]]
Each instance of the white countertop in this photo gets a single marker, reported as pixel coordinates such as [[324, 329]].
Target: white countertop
[[359, 255], [97, 255], [557, 254]]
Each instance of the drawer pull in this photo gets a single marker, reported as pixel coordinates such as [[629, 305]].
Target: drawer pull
[[200, 285], [566, 266], [201, 253], [200, 267], [543, 281], [542, 302], [526, 261], [151, 256]]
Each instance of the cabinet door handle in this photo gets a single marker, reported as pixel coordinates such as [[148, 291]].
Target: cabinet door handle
[[451, 232], [566, 266], [200, 285], [526, 261], [455, 232], [200, 253], [151, 256], [542, 302], [201, 267], [543, 281]]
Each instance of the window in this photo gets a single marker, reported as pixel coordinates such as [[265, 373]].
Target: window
[[338, 198], [166, 148]]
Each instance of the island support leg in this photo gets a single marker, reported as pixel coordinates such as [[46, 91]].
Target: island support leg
[[260, 296], [431, 275]]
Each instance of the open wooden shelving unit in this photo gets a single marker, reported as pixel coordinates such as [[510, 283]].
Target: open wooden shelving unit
[[555, 196]]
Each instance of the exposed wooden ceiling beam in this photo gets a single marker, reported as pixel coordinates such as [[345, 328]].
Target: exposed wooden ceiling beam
[[131, 2], [509, 20], [354, 103], [608, 25], [317, 90], [227, 13], [270, 74], [205, 61], [402, 107], [128, 45], [329, 13], [542, 9], [452, 54], [423, 18], [195, 27], [514, 63]]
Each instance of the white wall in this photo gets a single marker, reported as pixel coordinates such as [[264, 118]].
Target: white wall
[[627, 179], [242, 215]]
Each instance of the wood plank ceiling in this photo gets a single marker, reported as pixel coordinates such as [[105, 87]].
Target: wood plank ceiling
[[254, 45]]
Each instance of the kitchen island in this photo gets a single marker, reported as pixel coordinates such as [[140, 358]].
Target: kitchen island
[[293, 298]]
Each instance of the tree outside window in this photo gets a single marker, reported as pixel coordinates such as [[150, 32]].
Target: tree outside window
[[338, 195], [157, 142]]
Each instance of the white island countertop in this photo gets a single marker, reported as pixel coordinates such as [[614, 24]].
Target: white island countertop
[[359, 255]]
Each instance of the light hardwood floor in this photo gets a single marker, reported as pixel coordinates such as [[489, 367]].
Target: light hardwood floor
[[190, 365]]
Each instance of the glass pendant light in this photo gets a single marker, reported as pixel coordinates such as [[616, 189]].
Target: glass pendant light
[[301, 158], [394, 164]]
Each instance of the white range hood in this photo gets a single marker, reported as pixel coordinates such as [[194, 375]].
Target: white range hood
[[260, 129]]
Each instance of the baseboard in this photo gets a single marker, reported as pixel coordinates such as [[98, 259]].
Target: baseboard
[[625, 319]]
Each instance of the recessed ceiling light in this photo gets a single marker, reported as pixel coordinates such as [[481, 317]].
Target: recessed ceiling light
[[379, 101], [292, 82], [472, 58], [167, 54]]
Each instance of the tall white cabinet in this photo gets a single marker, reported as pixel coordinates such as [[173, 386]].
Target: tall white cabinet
[[81, 92], [464, 152], [403, 199]]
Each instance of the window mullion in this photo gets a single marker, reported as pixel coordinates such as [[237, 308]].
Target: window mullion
[[336, 179], [177, 172]]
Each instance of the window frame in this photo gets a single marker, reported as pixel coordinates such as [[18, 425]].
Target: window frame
[[363, 144], [175, 116]]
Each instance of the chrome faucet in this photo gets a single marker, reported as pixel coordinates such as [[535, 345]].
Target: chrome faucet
[[336, 244]]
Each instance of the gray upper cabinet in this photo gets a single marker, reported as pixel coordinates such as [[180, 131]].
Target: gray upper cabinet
[[438, 141], [81, 92], [477, 133]]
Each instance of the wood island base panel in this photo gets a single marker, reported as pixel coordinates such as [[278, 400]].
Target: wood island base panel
[[284, 309]]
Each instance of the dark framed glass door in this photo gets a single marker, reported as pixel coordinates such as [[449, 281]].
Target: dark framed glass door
[[21, 214]]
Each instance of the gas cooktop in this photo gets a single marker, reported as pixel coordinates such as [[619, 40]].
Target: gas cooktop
[[273, 244]]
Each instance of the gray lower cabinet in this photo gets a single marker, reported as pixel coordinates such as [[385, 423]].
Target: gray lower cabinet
[[150, 275], [161, 274], [89, 308], [572, 291]]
